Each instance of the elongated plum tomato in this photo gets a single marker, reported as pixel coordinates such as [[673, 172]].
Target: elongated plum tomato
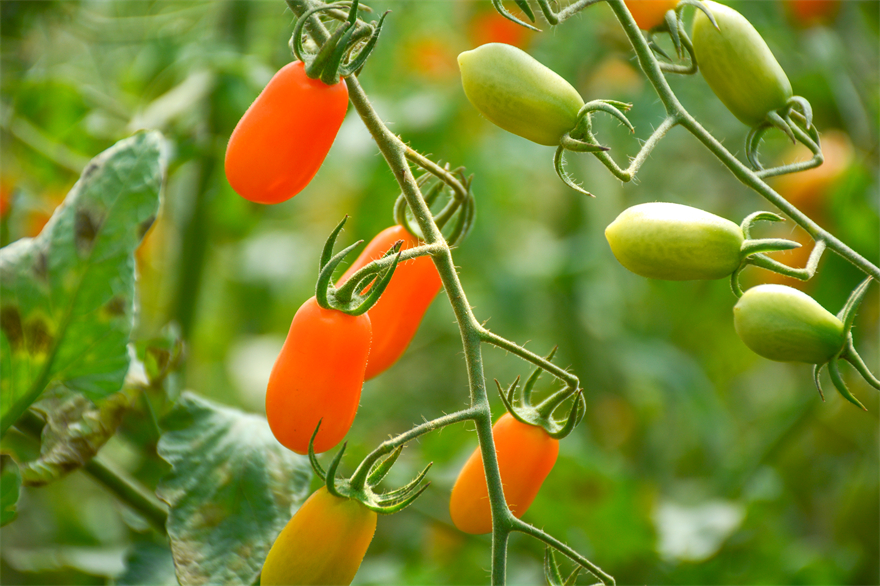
[[396, 316], [787, 325], [318, 376], [324, 543], [281, 141], [738, 65], [519, 94], [526, 455], [674, 242], [649, 13]]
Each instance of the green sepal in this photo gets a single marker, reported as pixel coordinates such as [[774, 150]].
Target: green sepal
[[840, 385], [848, 314], [499, 7], [551, 570], [750, 247]]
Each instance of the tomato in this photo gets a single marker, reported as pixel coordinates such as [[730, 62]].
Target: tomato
[[650, 13], [324, 543], [526, 455], [675, 242], [808, 190], [519, 94], [318, 377], [490, 27], [787, 325], [282, 139], [738, 65], [812, 12], [396, 316]]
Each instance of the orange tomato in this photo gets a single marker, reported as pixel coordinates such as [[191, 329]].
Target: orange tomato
[[396, 316], [649, 13], [490, 27], [526, 455], [281, 141], [318, 377], [808, 190], [811, 12], [324, 543]]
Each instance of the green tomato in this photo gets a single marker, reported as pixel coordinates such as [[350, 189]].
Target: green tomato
[[738, 65], [675, 242], [784, 324], [519, 94]]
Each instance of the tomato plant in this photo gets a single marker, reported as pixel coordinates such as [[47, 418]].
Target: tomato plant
[[318, 377], [396, 316], [526, 455], [282, 139], [675, 242], [519, 94], [738, 65], [787, 325], [324, 542]]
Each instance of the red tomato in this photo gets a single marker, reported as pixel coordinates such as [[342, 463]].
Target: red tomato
[[526, 455], [812, 12], [318, 377], [282, 139], [490, 27], [649, 13], [396, 317]]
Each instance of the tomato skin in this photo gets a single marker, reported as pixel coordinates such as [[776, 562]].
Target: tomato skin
[[675, 242], [398, 313], [519, 94], [738, 65], [787, 325], [282, 139], [318, 377], [324, 543], [649, 13], [526, 455], [812, 12]]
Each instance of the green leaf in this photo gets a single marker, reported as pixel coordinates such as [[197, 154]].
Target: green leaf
[[10, 484], [148, 564], [230, 490], [75, 430], [67, 306]]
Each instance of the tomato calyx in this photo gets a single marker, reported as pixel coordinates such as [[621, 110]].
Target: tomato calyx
[[551, 570], [796, 112], [580, 139], [673, 25], [358, 296], [753, 249], [361, 485], [541, 415], [336, 59], [460, 209]]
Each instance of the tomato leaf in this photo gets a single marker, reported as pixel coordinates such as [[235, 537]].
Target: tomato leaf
[[230, 490], [68, 295], [148, 564], [10, 485]]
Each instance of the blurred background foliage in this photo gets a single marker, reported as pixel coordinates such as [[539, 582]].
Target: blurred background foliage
[[698, 462]]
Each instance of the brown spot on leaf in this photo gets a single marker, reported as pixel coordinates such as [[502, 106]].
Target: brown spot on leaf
[[89, 170], [41, 267], [39, 338], [145, 226], [116, 306], [10, 323], [86, 228]]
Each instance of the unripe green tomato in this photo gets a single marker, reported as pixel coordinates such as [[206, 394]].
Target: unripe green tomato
[[784, 324], [324, 542], [738, 65], [519, 94], [675, 242]]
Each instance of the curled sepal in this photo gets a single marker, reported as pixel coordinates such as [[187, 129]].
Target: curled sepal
[[750, 247], [331, 481], [541, 415], [551, 570], [499, 7], [837, 380], [848, 314], [788, 122], [699, 6], [612, 107], [353, 300], [750, 220], [381, 468], [817, 370], [334, 59], [559, 166], [851, 356], [313, 459]]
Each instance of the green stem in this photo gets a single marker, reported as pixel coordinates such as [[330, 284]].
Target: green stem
[[129, 491], [674, 108], [560, 373], [630, 172]]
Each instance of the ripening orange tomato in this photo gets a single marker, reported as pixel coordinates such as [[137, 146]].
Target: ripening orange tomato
[[526, 455], [396, 316], [490, 27], [324, 543], [282, 139], [649, 13], [318, 377], [812, 12]]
